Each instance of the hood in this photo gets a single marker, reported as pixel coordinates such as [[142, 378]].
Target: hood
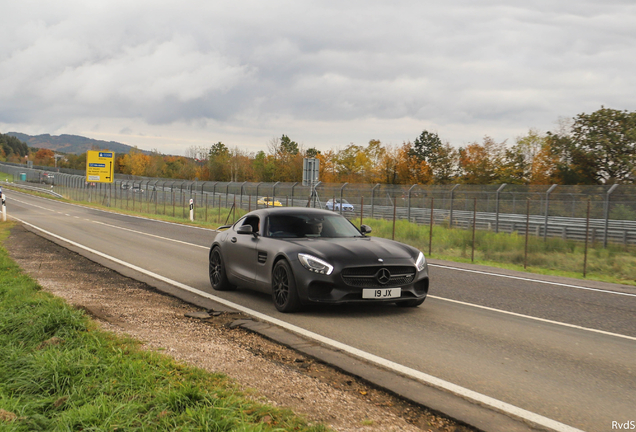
[[359, 251]]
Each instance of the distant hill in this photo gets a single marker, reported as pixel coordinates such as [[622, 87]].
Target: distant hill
[[72, 144]]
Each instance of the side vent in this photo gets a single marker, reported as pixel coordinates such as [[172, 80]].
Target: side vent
[[262, 257]]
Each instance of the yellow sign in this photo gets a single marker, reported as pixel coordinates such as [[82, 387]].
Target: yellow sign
[[100, 166]]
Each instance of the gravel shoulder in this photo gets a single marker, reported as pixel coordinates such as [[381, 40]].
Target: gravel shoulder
[[270, 372]]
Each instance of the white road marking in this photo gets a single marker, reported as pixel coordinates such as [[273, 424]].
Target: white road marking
[[533, 280], [534, 318], [124, 229], [150, 235], [429, 379], [109, 212]]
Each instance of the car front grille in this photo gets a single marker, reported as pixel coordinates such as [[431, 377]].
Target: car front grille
[[372, 277]]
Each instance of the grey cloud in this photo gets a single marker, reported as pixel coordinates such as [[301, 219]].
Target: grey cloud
[[512, 63]]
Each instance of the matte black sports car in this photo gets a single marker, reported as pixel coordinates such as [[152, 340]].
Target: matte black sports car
[[306, 255]]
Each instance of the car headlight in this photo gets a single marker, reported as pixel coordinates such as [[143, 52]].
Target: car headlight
[[314, 264], [421, 262]]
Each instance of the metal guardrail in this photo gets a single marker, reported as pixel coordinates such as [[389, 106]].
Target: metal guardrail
[[31, 188]]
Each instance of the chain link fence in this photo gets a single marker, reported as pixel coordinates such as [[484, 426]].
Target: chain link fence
[[543, 210]]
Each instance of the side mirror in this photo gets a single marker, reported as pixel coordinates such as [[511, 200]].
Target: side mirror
[[245, 229], [365, 229]]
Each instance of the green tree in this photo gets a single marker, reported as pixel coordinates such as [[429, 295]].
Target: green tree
[[13, 146], [312, 152], [218, 162], [606, 140], [426, 147], [287, 146], [444, 165], [264, 167]]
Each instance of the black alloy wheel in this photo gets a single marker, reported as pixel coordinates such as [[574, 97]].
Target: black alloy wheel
[[218, 277], [284, 291]]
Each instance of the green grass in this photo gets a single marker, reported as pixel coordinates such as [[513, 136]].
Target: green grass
[[557, 257], [58, 372]]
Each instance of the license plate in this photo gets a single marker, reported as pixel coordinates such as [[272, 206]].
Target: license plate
[[383, 293]]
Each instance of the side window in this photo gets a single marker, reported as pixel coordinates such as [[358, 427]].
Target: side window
[[254, 221]]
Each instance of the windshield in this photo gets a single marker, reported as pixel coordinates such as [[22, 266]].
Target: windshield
[[298, 226]]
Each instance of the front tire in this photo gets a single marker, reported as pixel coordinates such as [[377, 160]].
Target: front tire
[[284, 292], [218, 275]]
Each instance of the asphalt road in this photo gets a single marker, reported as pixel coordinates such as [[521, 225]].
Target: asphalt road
[[556, 349]]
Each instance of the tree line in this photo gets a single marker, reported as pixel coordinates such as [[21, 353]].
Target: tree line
[[596, 148]]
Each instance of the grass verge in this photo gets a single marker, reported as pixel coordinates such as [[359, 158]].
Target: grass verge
[[554, 256], [59, 372]]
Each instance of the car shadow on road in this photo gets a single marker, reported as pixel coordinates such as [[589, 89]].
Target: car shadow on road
[[350, 310]]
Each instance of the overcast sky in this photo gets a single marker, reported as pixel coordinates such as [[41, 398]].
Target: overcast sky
[[169, 75]]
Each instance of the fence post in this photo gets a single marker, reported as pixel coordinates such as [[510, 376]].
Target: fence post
[[373, 198], [587, 229], [430, 236], [472, 254], [341, 190], [525, 253], [241, 201], [547, 208], [274, 193], [292, 194], [361, 208], [257, 186], [214, 193], [408, 213], [497, 207], [607, 199], [394, 212], [452, 197]]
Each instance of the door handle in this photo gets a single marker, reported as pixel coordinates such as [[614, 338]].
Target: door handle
[[233, 240]]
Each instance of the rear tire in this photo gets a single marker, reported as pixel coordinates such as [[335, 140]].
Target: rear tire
[[284, 292], [218, 275]]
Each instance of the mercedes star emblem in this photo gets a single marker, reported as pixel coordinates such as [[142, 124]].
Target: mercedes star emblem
[[383, 276]]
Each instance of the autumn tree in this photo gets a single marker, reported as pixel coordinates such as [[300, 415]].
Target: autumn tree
[[352, 163], [156, 164], [375, 154], [288, 160], [479, 162], [45, 157], [327, 170], [517, 162], [135, 163]]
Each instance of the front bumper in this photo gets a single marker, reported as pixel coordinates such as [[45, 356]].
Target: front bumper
[[315, 288]]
